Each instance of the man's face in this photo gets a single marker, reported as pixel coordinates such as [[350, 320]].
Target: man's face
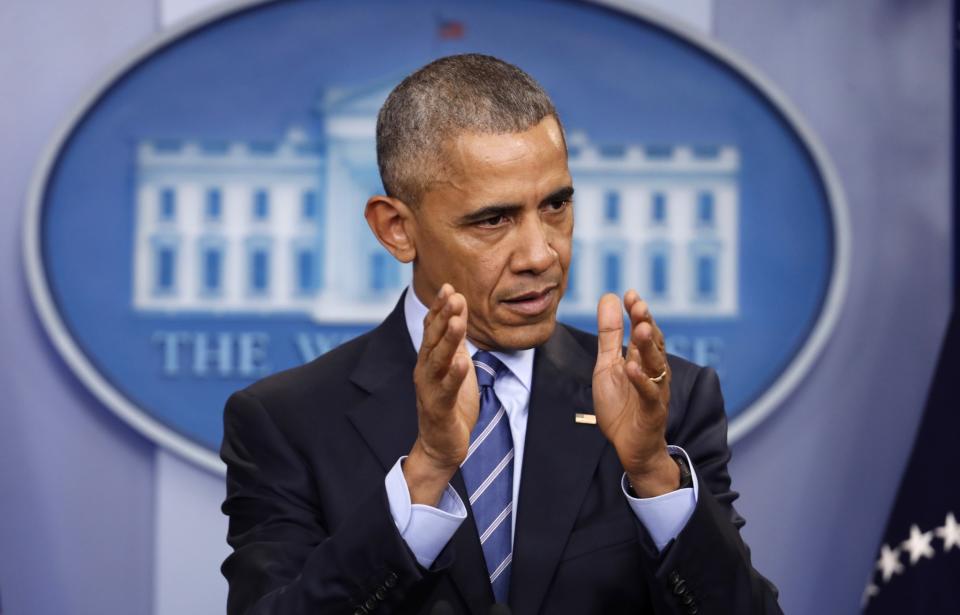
[[498, 227]]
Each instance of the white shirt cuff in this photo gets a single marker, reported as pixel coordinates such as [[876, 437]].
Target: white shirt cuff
[[425, 529], [665, 515]]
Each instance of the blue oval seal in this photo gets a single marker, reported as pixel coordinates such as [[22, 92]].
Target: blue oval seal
[[198, 223]]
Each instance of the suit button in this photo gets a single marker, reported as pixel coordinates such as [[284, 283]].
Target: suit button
[[674, 578], [360, 611], [692, 609], [687, 600], [680, 588], [380, 593], [391, 579], [370, 604]]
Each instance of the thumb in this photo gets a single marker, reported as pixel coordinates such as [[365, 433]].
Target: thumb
[[609, 329]]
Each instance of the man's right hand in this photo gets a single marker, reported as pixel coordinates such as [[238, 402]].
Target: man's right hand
[[448, 400]]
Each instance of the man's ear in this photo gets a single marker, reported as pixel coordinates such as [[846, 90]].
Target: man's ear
[[392, 221]]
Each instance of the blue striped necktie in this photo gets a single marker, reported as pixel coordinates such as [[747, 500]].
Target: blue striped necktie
[[488, 476]]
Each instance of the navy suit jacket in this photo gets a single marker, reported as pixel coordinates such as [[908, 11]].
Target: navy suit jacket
[[307, 451]]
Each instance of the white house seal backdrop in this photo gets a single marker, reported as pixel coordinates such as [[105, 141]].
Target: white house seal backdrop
[[199, 223]]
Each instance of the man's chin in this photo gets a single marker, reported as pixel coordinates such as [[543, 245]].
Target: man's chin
[[522, 337]]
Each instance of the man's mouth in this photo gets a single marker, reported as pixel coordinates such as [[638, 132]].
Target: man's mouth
[[532, 303]]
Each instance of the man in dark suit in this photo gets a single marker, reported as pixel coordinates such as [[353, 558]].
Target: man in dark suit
[[470, 450]]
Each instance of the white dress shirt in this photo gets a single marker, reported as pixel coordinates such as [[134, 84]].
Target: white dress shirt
[[427, 529]]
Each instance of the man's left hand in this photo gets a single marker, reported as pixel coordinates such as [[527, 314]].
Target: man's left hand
[[631, 394]]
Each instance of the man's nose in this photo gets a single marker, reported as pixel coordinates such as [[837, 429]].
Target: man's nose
[[533, 252]]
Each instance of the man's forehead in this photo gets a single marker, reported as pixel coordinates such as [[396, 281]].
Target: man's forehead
[[543, 137], [484, 157], [481, 169], [474, 189]]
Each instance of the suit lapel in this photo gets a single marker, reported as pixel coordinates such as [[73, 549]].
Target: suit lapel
[[387, 417], [387, 421], [560, 458]]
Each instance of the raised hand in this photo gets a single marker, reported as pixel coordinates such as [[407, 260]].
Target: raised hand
[[631, 394], [448, 399]]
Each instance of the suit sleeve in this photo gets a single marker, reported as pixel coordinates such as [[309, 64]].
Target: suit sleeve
[[707, 568], [284, 558]]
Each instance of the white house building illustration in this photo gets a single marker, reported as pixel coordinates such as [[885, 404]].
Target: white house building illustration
[[277, 227]]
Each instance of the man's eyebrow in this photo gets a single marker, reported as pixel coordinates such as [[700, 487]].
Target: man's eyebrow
[[505, 209], [490, 211], [563, 194]]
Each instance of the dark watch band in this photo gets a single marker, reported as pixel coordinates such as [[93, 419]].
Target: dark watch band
[[686, 476]]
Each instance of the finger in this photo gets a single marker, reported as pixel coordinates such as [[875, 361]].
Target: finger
[[640, 312], [636, 311], [461, 347], [440, 357], [647, 388], [652, 360], [435, 322], [630, 299], [460, 366], [649, 355], [439, 300], [609, 329], [461, 363], [633, 353]]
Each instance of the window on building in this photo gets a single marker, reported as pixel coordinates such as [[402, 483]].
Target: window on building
[[213, 208], [613, 151], [166, 269], [658, 209], [377, 272], [611, 207], [571, 290], [384, 272], [261, 205], [212, 269], [573, 271], [611, 273], [215, 147], [706, 151], [309, 263], [306, 268], [259, 270], [706, 277], [168, 204], [263, 147], [309, 205], [659, 152], [659, 274], [705, 209]]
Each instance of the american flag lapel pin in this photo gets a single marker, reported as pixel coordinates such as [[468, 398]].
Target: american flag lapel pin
[[585, 419]]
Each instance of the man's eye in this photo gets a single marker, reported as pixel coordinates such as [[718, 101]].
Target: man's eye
[[492, 221], [559, 205]]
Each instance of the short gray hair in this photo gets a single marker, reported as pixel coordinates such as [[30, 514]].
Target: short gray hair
[[456, 94]]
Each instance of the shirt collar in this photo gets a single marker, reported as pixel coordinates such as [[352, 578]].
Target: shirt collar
[[519, 362]]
